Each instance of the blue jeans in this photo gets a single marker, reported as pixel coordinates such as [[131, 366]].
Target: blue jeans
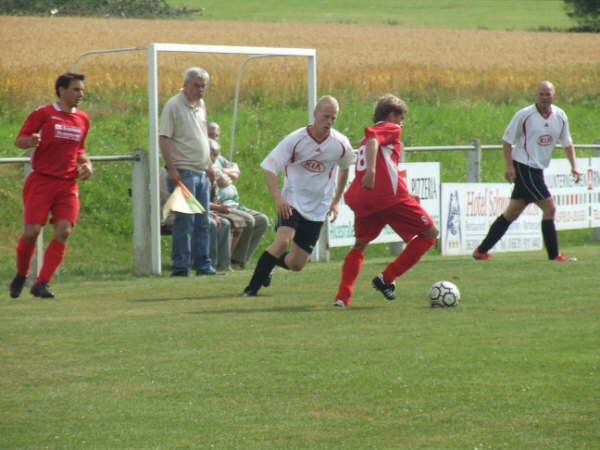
[[191, 232]]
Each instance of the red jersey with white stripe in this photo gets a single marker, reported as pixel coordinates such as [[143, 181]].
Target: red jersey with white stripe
[[62, 140], [390, 188], [310, 169]]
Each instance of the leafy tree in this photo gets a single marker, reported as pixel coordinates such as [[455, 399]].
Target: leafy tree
[[585, 12]]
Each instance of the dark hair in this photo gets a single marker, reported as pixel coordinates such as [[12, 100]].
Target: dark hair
[[64, 81], [388, 104]]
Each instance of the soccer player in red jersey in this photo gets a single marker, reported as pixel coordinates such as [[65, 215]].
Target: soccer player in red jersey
[[57, 134], [378, 196]]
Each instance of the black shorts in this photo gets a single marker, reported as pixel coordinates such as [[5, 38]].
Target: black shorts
[[529, 184], [307, 231]]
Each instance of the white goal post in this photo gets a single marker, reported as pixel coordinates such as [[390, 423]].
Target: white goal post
[[154, 250]]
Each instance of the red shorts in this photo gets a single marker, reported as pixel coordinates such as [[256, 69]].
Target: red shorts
[[43, 194], [407, 219]]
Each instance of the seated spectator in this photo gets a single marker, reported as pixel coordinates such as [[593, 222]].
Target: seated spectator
[[256, 223]]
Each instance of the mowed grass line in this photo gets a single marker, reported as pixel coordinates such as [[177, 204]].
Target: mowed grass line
[[163, 363]]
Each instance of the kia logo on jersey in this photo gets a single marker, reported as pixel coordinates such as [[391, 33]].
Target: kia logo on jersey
[[545, 140], [312, 165]]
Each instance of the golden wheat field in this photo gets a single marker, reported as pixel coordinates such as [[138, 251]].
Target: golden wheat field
[[365, 58]]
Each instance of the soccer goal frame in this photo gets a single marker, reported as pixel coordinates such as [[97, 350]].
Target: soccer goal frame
[[153, 50]]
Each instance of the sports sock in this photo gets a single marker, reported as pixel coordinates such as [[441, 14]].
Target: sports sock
[[495, 233], [25, 251], [408, 258], [281, 261], [52, 259], [350, 270], [550, 239], [263, 269]]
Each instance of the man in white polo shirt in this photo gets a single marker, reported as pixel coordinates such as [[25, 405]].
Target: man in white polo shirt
[[184, 146], [534, 131], [309, 157]]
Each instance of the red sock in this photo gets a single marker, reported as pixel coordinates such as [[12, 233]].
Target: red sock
[[25, 251], [52, 259], [350, 270], [408, 258]]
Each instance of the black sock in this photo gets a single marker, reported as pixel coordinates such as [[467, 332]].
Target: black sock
[[550, 239], [263, 269], [281, 261], [495, 233]]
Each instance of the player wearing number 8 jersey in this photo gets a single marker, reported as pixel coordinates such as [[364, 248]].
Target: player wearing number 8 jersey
[[378, 196], [534, 131], [57, 132]]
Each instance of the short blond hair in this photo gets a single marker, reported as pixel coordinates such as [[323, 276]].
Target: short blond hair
[[327, 100]]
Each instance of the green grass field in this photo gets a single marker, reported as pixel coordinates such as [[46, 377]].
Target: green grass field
[[163, 363], [485, 14]]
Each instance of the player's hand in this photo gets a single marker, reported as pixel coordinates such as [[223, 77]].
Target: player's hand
[[510, 174], [85, 170], [576, 175], [173, 174], [35, 139], [333, 212], [368, 180], [284, 209], [416, 197]]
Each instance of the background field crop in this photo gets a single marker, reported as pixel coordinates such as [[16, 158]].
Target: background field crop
[[434, 64]]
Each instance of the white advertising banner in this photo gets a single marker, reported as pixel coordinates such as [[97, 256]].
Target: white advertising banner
[[422, 179], [468, 210], [577, 204]]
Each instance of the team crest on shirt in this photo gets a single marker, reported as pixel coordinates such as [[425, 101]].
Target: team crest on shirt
[[318, 150], [545, 140], [312, 165]]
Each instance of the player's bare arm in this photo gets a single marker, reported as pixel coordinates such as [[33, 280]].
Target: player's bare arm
[[84, 167], [571, 156], [368, 180], [28, 141], [283, 207], [166, 148], [509, 172], [342, 179]]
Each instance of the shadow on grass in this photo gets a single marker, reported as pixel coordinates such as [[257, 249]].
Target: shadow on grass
[[283, 309]]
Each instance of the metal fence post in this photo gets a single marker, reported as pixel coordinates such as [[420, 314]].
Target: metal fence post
[[474, 162], [140, 197]]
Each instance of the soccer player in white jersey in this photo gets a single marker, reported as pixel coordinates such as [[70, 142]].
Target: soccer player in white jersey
[[309, 157], [534, 131]]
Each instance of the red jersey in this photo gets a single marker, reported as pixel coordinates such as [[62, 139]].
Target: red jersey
[[390, 188], [62, 140]]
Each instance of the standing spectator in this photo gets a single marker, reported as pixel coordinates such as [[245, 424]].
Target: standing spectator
[[256, 223], [309, 157], [534, 130], [184, 146], [57, 132], [378, 196]]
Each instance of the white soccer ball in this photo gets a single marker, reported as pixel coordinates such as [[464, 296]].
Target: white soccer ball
[[443, 294]]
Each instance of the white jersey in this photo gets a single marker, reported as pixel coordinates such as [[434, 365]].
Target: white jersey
[[535, 136], [310, 169]]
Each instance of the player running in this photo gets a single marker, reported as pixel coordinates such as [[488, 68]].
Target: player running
[[378, 196], [535, 130], [57, 133], [309, 157]]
